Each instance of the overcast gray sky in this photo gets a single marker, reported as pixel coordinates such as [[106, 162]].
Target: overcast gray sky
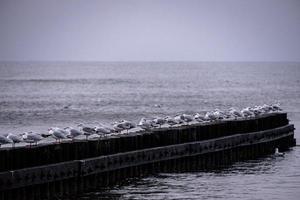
[[154, 30]]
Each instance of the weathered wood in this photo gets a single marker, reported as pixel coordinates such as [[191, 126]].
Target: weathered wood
[[21, 157], [27, 173], [87, 167]]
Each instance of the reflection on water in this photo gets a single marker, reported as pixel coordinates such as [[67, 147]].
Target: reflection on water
[[265, 178]]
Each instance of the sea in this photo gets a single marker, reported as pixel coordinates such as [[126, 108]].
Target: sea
[[37, 95]]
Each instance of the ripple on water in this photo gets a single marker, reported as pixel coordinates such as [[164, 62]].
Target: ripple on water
[[265, 178]]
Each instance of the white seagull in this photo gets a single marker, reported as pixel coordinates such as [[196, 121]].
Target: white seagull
[[187, 118], [266, 108], [31, 137], [159, 121], [171, 121], [58, 134], [14, 138], [219, 115], [102, 130], [200, 118], [210, 116], [277, 153], [4, 140], [118, 127], [127, 125], [257, 110], [247, 112], [276, 107], [179, 119], [234, 113], [145, 124], [87, 131], [72, 132]]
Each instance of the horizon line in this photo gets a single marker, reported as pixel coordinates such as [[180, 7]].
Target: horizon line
[[152, 61]]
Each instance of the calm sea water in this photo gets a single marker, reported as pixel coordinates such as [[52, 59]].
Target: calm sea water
[[35, 96]]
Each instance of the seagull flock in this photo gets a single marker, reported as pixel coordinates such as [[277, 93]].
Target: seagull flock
[[123, 126]]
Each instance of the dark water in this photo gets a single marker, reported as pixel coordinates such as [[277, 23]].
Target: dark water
[[35, 96], [265, 178]]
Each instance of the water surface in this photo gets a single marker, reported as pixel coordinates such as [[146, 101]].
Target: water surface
[[38, 95]]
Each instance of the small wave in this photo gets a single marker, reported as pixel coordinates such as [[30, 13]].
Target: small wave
[[73, 81]]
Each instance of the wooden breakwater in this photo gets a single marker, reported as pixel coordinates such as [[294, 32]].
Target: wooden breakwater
[[68, 168]]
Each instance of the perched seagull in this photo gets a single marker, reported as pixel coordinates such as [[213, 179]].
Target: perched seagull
[[219, 115], [276, 107], [256, 110], [235, 113], [266, 108], [127, 125], [108, 128], [102, 130], [31, 137], [72, 132], [179, 119], [200, 118], [58, 133], [145, 124], [224, 114], [14, 138], [211, 116], [187, 118], [247, 112], [118, 127], [87, 131], [159, 121], [4, 140], [171, 121]]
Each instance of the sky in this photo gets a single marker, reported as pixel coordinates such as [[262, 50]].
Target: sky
[[150, 30]]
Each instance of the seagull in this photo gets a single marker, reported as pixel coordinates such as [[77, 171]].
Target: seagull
[[223, 114], [187, 118], [211, 116], [14, 138], [159, 121], [277, 153], [219, 115], [256, 110], [118, 127], [266, 108], [72, 132], [276, 107], [102, 130], [87, 131], [171, 121], [179, 119], [107, 128], [31, 137], [200, 118], [236, 114], [127, 125], [4, 140], [145, 124], [58, 133], [247, 112]]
